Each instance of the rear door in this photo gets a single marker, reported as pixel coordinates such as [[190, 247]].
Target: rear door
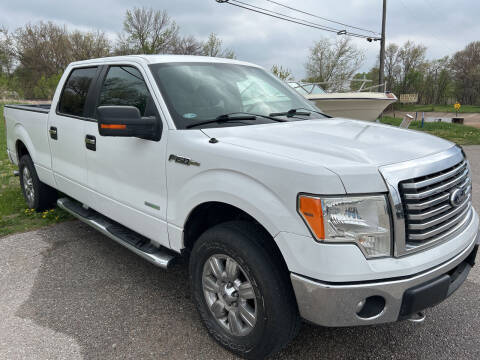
[[67, 132], [127, 174]]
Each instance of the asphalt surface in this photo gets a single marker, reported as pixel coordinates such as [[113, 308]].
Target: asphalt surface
[[68, 292]]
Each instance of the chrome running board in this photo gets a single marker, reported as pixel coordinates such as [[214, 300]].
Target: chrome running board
[[133, 241]]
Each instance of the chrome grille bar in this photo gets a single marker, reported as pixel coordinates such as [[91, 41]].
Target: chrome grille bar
[[429, 203], [436, 179], [461, 225], [439, 229], [430, 213], [440, 219], [441, 188]]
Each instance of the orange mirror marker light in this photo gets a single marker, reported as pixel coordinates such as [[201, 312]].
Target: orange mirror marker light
[[114, 126], [311, 210]]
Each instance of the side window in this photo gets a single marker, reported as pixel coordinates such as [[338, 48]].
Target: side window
[[74, 95], [124, 85]]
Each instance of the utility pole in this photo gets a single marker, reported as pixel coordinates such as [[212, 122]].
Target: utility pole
[[381, 75]]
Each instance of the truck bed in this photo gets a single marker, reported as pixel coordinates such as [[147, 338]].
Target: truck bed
[[28, 123], [42, 108]]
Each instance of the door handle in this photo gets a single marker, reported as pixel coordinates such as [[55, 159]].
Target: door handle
[[91, 142], [53, 132]]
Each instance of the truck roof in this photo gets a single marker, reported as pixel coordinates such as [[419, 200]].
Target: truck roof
[[154, 59]]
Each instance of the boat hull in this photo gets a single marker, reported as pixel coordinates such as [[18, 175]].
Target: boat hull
[[368, 109]]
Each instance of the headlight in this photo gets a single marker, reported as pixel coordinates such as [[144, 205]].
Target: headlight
[[363, 220]]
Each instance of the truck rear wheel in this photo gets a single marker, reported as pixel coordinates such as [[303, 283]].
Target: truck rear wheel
[[242, 293], [38, 196]]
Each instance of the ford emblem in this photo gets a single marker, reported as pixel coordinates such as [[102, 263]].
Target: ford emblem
[[457, 197]]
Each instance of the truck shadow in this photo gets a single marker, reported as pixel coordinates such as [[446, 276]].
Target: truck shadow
[[116, 305]]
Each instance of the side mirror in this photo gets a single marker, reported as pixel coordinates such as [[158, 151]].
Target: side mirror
[[126, 121]]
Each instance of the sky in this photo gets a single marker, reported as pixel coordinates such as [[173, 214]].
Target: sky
[[443, 26]]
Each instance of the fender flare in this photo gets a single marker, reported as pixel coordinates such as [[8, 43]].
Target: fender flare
[[21, 134], [247, 194]]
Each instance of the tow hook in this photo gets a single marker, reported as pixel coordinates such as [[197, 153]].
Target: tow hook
[[417, 318]]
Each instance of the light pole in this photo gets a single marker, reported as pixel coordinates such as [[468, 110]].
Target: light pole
[[381, 75]]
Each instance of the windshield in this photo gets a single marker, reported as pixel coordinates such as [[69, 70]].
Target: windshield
[[197, 92]]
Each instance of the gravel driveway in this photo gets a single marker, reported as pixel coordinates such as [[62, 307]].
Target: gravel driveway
[[68, 292]]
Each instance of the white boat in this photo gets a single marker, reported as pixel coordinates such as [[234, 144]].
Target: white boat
[[360, 105]]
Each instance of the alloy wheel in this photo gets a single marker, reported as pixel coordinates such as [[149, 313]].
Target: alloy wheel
[[229, 295], [28, 186]]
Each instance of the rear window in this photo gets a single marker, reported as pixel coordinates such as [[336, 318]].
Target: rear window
[[74, 94]]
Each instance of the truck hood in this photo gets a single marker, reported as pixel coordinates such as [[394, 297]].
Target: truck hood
[[353, 150], [333, 142]]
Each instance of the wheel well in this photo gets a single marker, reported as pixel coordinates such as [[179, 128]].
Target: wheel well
[[209, 214], [21, 149]]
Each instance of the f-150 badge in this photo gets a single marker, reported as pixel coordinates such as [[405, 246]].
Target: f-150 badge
[[183, 160]]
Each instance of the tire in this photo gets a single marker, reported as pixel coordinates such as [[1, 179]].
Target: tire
[[38, 196], [275, 322]]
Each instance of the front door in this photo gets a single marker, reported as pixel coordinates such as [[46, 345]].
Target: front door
[[127, 174]]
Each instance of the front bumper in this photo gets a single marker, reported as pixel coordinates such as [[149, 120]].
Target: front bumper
[[333, 304]]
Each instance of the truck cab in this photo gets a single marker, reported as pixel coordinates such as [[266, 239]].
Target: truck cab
[[283, 212]]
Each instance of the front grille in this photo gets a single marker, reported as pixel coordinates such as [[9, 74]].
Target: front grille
[[430, 215]]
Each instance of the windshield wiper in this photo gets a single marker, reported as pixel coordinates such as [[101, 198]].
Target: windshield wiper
[[228, 117], [290, 113], [315, 111], [293, 112]]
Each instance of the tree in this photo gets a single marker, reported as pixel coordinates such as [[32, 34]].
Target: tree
[[188, 46], [410, 59], [45, 87], [465, 66], [392, 69], [333, 62], [41, 49], [407, 71], [282, 73], [147, 31], [45, 50], [437, 82], [214, 47], [88, 45], [7, 52], [7, 61]]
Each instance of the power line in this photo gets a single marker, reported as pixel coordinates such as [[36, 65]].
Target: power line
[[320, 17], [288, 18]]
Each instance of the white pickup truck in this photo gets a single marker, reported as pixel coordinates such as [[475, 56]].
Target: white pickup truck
[[283, 212]]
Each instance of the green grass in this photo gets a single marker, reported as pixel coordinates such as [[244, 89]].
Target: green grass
[[460, 134], [14, 215], [437, 108]]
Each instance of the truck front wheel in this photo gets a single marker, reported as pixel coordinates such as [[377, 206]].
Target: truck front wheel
[[241, 291], [38, 196]]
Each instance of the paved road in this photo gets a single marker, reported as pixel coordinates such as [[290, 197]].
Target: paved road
[[67, 292]]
